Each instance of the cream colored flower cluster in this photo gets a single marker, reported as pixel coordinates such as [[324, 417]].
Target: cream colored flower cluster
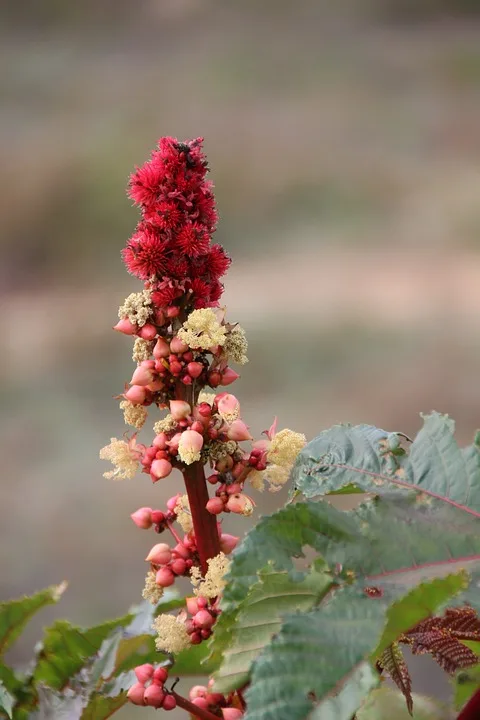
[[201, 330], [137, 307], [123, 456], [211, 586], [282, 453]]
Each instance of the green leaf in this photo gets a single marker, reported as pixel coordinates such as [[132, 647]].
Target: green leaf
[[194, 661], [112, 697], [388, 703], [56, 706], [363, 456], [260, 617], [7, 701], [466, 683], [343, 705], [15, 614]]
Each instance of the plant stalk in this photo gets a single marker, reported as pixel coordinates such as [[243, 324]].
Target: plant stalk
[[193, 709], [204, 523]]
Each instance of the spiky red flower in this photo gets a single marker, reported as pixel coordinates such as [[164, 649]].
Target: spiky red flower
[[217, 261], [193, 239], [165, 293], [165, 215], [144, 254], [145, 183]]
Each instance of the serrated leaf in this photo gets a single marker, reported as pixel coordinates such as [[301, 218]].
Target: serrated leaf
[[6, 701], [313, 654], [275, 595], [15, 614], [66, 649], [360, 456], [393, 662], [388, 703], [343, 705]]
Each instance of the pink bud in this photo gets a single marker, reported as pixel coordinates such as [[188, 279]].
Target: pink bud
[[161, 349], [126, 327], [158, 516], [154, 696], [240, 504], [143, 518], [188, 356], [178, 346], [160, 469], [204, 410], [214, 379], [136, 694], [232, 714], [160, 441], [187, 380], [238, 431], [228, 543], [160, 554], [173, 311], [179, 409], [203, 619], [178, 566], [190, 442], [213, 479], [195, 369], [192, 605], [164, 577], [229, 408], [238, 469], [173, 443], [148, 331], [197, 426], [175, 368], [171, 502], [197, 691], [215, 506], [160, 674], [136, 394], [234, 488], [156, 385], [169, 703], [202, 603], [159, 317], [181, 551], [144, 672], [142, 376], [229, 376], [200, 702]]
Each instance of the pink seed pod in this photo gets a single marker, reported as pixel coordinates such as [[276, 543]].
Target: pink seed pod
[[232, 714], [147, 332], [238, 469], [197, 426], [192, 605], [136, 394], [160, 554], [126, 327], [173, 444], [178, 566], [160, 441], [172, 311], [200, 702], [181, 551], [171, 502], [195, 369], [164, 577], [228, 543], [156, 385], [143, 518], [136, 694], [190, 444], [213, 479], [215, 506], [179, 409], [158, 517], [160, 674], [228, 377], [228, 407], [233, 489], [175, 368], [240, 504], [197, 691], [144, 672], [187, 380], [160, 469], [169, 703], [142, 376], [238, 431], [196, 638], [154, 696], [178, 346], [214, 379], [203, 620], [161, 349], [202, 603], [204, 409], [188, 356], [205, 633]]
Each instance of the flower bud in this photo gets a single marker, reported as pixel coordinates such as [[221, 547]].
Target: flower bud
[[142, 376], [126, 327], [192, 605], [232, 714], [154, 696], [175, 367], [144, 672], [171, 502], [203, 619], [136, 394], [169, 703], [238, 431], [197, 691], [234, 488], [229, 408], [158, 517], [160, 554], [136, 694], [143, 518], [173, 443], [164, 577], [197, 426], [181, 551], [160, 441], [204, 409], [228, 377], [179, 409], [195, 369], [189, 447], [240, 504], [172, 311], [161, 349], [178, 566], [188, 356], [215, 506], [213, 479], [214, 379], [200, 701], [160, 674], [148, 331], [160, 469], [187, 380], [177, 346], [228, 543]]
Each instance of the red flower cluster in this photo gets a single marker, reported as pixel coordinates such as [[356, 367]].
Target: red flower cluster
[[171, 248]]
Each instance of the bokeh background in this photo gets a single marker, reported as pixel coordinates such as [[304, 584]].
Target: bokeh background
[[344, 144]]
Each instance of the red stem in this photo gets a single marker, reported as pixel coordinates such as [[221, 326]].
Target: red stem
[[193, 709], [471, 711], [204, 523]]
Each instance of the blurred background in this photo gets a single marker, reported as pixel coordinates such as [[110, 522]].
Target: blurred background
[[344, 144]]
